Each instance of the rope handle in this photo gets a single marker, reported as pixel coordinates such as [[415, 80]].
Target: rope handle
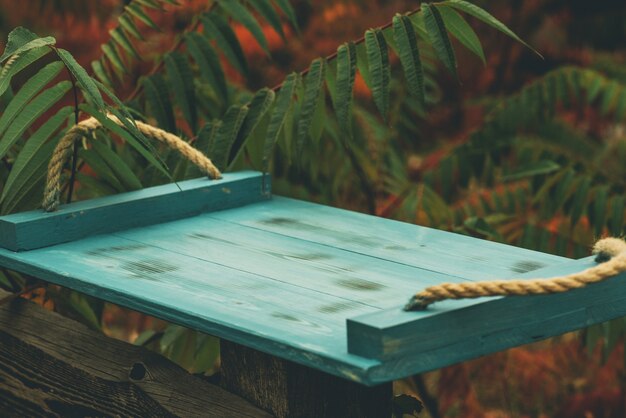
[[610, 252], [86, 127]]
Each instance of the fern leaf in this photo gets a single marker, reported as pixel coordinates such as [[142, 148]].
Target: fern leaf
[[86, 84], [127, 23], [288, 10], [227, 134], [380, 69], [137, 142], [208, 63], [406, 42], [580, 200], [27, 158], [181, 78], [117, 167], [277, 117], [114, 58], [243, 16], [33, 86], [439, 37], [462, 31], [137, 12], [616, 223], [30, 113], [100, 72], [598, 216], [216, 27], [100, 167], [258, 107], [207, 135], [313, 88], [118, 36], [28, 196], [17, 64], [486, 17], [265, 9], [346, 72], [362, 64], [608, 97], [151, 4], [158, 101], [21, 40]]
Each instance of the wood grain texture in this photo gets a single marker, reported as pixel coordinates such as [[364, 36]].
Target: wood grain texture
[[289, 390], [283, 276], [453, 331], [37, 229], [51, 366]]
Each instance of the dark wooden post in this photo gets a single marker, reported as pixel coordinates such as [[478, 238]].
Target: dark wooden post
[[51, 366], [287, 389]]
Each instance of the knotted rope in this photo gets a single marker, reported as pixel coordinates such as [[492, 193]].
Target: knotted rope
[[611, 249], [87, 127]]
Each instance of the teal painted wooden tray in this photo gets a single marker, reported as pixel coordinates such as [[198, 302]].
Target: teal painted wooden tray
[[320, 286]]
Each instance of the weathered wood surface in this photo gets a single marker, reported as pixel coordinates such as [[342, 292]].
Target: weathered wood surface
[[453, 331], [283, 277], [37, 229], [51, 366], [287, 389]]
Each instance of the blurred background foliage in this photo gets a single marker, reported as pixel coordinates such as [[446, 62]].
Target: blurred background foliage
[[520, 149]]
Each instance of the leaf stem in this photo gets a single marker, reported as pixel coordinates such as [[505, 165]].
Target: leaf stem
[[75, 146]]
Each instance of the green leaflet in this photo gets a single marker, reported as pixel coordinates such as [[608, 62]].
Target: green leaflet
[[152, 4], [158, 101], [616, 222], [207, 135], [141, 145], [208, 63], [18, 64], [346, 72], [117, 167], [30, 113], [180, 77], [129, 26], [137, 12], [120, 38], [21, 40], [100, 72], [599, 209], [483, 15], [28, 196], [30, 156], [461, 30], [265, 9], [314, 85], [439, 37], [33, 86], [227, 134], [532, 169], [406, 41], [242, 15], [380, 70], [580, 200], [287, 9], [216, 27], [86, 84], [258, 107], [278, 115], [114, 58]]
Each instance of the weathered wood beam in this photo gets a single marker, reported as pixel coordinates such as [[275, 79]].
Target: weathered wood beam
[[288, 389], [52, 366]]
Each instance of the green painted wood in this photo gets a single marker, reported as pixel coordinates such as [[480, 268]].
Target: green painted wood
[[400, 242], [307, 283], [36, 229], [453, 331]]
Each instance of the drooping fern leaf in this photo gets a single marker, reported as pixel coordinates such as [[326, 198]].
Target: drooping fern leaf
[[378, 59], [346, 73], [227, 135], [408, 51], [240, 14], [180, 77], [314, 85], [439, 37], [277, 118]]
